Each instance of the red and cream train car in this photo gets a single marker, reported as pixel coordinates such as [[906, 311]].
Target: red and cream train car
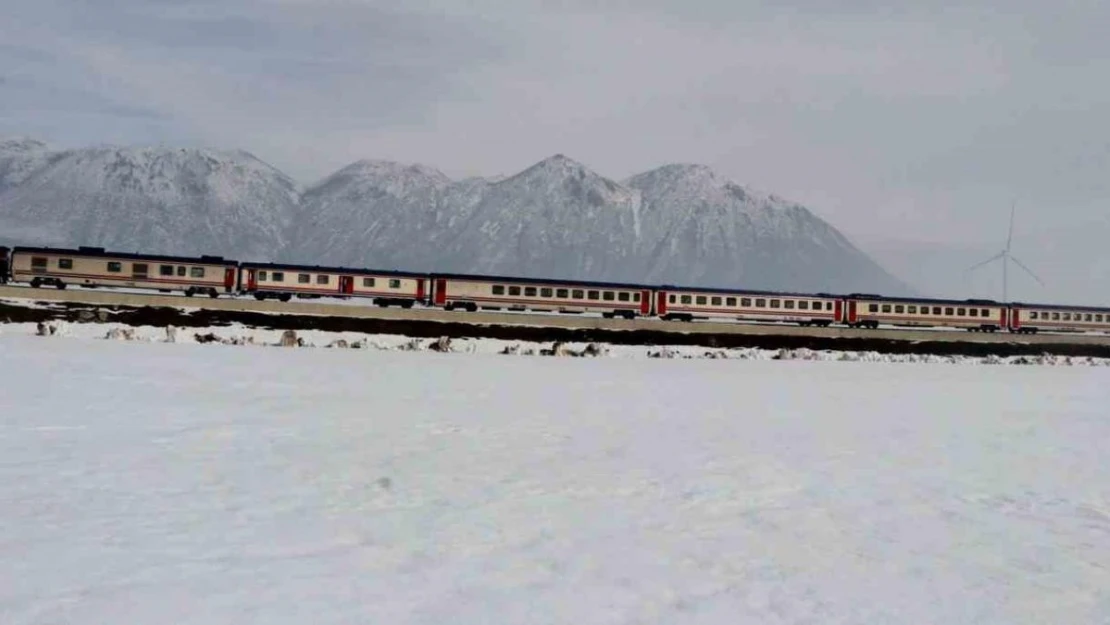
[[470, 292], [687, 304], [95, 267], [283, 282], [869, 311], [1033, 318]]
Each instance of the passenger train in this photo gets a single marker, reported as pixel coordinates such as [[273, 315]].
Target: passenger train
[[92, 267]]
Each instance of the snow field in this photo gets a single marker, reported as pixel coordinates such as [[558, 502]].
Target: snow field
[[152, 483]]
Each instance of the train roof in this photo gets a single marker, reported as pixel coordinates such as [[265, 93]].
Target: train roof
[[326, 269], [923, 300], [99, 252], [1069, 307], [547, 281], [759, 292]]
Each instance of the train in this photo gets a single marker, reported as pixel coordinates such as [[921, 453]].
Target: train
[[215, 276]]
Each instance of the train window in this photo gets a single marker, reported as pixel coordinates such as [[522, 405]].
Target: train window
[[622, 296], [278, 276], [323, 279], [961, 312], [65, 263], [529, 291], [949, 311], [1098, 318], [936, 310], [38, 263], [1033, 315], [577, 294], [804, 305], [563, 293], [872, 308], [788, 303], [139, 270], [514, 291], [672, 298], [608, 296], [899, 309], [394, 283], [196, 272], [261, 276], [716, 301], [304, 278], [1087, 317], [592, 295], [636, 297], [760, 303], [546, 292], [368, 282], [730, 302], [1067, 316], [745, 302], [886, 308], [1055, 316], [165, 270], [498, 289], [181, 271], [983, 312], [974, 312], [775, 303], [911, 310], [687, 299], [700, 300], [115, 267]]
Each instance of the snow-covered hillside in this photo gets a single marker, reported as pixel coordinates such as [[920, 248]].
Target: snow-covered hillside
[[678, 224], [162, 200], [270, 485]]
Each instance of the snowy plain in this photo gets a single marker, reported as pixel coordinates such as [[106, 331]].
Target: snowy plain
[[146, 482]]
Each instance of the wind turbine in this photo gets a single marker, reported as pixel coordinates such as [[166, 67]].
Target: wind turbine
[[1006, 257]]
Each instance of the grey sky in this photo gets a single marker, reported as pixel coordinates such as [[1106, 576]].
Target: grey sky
[[921, 123]]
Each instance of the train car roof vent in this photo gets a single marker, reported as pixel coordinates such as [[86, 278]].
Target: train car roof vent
[[206, 257], [86, 248], [981, 301]]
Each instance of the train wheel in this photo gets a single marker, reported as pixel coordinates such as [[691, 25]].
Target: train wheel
[[285, 297], [61, 286], [35, 283], [189, 292], [213, 293]]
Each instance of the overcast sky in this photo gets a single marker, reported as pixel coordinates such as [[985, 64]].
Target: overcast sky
[[921, 123]]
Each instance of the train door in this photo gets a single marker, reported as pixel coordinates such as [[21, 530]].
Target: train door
[[420, 290], [440, 292], [1014, 321], [346, 285], [252, 280], [229, 279], [661, 303], [838, 311], [852, 318], [645, 302]]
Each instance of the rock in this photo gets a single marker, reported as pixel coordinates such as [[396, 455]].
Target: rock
[[207, 338], [289, 339], [121, 334], [171, 334], [339, 344], [442, 344], [48, 328]]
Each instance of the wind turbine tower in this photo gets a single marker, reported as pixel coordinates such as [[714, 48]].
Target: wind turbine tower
[[1006, 258]]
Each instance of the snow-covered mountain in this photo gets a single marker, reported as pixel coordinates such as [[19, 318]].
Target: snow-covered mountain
[[165, 200], [679, 224]]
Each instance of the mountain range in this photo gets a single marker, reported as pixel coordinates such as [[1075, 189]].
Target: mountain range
[[677, 224]]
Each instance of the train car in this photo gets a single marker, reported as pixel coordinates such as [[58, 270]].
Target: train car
[[468, 292], [687, 304], [283, 282], [95, 267], [869, 311], [1033, 318], [4, 267]]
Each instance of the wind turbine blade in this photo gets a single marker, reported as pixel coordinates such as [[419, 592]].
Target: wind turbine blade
[[1027, 270], [988, 261], [1010, 236]]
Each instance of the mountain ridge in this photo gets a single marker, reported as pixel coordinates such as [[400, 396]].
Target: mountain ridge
[[680, 223]]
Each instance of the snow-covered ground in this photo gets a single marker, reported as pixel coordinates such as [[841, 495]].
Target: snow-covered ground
[[143, 482]]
